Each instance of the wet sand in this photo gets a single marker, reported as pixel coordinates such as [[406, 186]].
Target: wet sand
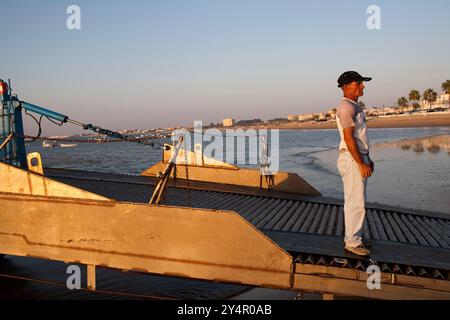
[[411, 173]]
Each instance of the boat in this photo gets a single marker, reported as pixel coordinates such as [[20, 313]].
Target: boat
[[49, 144], [68, 145], [100, 140]]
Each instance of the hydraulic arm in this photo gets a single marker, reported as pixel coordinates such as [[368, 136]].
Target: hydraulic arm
[[12, 143]]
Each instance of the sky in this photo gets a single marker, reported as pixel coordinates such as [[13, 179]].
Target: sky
[[149, 64]]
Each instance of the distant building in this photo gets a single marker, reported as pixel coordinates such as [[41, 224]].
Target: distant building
[[332, 114], [387, 111], [292, 117], [228, 122], [443, 101], [412, 108], [306, 117]]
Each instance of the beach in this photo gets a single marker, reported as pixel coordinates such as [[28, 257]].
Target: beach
[[438, 119]]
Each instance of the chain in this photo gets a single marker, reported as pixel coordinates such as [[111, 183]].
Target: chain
[[4, 127], [186, 167]]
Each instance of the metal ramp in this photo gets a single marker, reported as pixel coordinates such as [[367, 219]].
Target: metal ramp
[[410, 246]]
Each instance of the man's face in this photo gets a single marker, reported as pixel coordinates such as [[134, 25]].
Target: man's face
[[354, 89]]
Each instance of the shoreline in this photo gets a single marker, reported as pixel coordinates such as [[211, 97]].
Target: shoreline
[[404, 121]]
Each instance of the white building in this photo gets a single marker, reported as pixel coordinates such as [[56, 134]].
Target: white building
[[332, 114], [443, 101], [386, 111], [228, 122], [372, 112]]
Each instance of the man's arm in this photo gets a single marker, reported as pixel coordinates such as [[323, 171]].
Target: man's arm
[[366, 170]]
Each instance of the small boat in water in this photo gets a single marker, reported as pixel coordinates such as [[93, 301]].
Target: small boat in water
[[100, 140], [68, 145], [49, 144]]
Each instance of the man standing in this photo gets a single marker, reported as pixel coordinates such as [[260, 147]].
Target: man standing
[[354, 163]]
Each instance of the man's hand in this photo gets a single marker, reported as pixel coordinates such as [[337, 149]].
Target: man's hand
[[366, 170]]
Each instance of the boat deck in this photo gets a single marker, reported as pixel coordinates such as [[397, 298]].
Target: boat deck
[[403, 241]]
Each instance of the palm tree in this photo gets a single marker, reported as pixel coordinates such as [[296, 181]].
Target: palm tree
[[430, 96], [414, 96], [415, 106], [402, 103], [446, 88]]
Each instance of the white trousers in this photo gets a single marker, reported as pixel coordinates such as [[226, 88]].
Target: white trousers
[[354, 198]]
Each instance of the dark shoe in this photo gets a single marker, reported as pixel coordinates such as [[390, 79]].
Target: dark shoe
[[360, 250]]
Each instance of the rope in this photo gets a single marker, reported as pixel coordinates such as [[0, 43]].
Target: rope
[[100, 140], [39, 126], [58, 284], [116, 136]]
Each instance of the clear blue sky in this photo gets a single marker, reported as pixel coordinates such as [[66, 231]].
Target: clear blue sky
[[147, 64]]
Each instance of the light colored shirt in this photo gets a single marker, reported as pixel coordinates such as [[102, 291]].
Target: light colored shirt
[[350, 114]]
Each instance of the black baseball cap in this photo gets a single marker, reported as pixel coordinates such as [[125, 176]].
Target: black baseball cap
[[349, 77]]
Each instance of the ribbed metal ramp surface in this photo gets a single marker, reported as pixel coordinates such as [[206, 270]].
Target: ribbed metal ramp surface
[[316, 217], [403, 241]]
